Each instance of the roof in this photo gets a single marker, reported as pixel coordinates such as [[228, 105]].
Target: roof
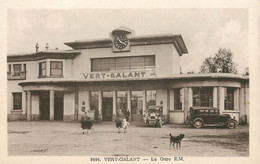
[[173, 77], [176, 40], [50, 54]]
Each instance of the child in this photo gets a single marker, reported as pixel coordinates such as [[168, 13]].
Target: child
[[125, 125], [86, 124], [119, 119]]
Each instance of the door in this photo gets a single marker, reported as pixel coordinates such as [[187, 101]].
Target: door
[[44, 104], [58, 106], [107, 108]]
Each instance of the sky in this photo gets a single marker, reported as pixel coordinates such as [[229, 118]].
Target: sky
[[204, 30]]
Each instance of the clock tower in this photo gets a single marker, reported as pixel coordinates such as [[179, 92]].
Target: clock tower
[[120, 39]]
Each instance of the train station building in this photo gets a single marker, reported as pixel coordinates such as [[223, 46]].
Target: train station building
[[122, 71]]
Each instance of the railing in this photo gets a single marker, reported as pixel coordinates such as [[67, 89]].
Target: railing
[[16, 76]]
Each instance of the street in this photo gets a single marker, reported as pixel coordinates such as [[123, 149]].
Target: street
[[44, 138]]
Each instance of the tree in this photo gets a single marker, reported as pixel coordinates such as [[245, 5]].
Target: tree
[[246, 72], [221, 62]]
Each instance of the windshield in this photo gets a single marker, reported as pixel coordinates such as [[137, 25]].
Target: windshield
[[153, 111]]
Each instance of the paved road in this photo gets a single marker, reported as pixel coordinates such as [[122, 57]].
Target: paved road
[[66, 139]]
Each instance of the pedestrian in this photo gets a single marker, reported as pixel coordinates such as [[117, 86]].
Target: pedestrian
[[119, 119], [127, 115], [86, 123]]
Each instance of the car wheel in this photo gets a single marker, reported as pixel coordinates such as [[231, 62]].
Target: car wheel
[[198, 124], [231, 124]]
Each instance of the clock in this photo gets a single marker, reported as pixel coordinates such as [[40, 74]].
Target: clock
[[120, 41]]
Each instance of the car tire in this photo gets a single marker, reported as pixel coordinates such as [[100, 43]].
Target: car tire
[[198, 124], [231, 124]]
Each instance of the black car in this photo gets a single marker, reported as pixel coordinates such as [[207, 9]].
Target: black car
[[209, 116]]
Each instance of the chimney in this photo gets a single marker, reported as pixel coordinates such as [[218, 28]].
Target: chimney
[[47, 46], [37, 47]]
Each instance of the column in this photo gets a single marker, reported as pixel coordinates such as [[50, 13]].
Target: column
[[171, 99], [186, 103], [24, 102], [168, 105], [236, 99], [144, 102], [100, 103], [190, 98], [114, 103], [88, 100], [28, 106], [221, 100], [215, 97], [76, 100], [242, 102], [129, 103], [51, 105]]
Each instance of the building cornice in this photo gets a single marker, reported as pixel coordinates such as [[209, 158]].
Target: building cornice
[[214, 76], [43, 55], [176, 40]]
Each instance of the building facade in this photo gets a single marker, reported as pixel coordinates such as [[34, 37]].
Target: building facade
[[123, 71]]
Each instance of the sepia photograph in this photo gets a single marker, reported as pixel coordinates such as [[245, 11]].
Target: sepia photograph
[[128, 84]]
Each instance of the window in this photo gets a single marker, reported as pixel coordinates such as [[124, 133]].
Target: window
[[151, 97], [203, 96], [123, 63], [178, 99], [42, 69], [56, 68], [136, 102], [17, 69], [17, 101], [229, 98], [122, 100]]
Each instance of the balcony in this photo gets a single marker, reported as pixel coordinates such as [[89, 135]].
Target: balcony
[[16, 76]]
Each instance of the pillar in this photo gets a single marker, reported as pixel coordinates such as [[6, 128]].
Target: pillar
[[215, 97], [114, 103], [28, 106], [236, 99], [24, 102], [88, 100], [76, 100], [144, 102], [190, 98], [51, 105], [186, 103], [129, 102], [242, 102], [171, 99], [100, 103], [221, 100]]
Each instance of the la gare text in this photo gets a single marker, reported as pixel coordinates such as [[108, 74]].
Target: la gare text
[[135, 159]]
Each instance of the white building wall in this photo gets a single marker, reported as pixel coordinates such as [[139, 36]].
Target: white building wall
[[161, 96], [69, 103], [164, 58]]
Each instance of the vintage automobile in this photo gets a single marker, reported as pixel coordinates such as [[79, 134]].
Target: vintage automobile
[[154, 116], [209, 116]]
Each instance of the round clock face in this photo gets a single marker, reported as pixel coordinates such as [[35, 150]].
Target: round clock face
[[120, 42]]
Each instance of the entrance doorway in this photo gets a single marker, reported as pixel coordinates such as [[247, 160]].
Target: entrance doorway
[[44, 104], [107, 108], [58, 106]]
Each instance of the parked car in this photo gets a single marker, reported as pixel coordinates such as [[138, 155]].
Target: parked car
[[209, 116], [154, 116]]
